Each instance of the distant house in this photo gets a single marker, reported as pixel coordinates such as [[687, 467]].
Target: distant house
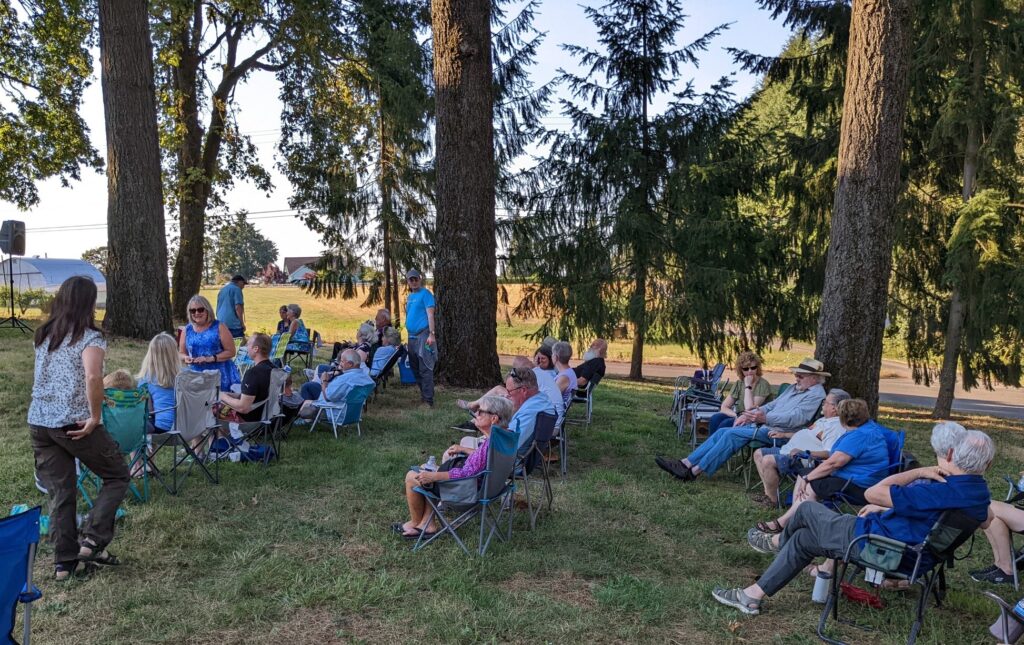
[[298, 269]]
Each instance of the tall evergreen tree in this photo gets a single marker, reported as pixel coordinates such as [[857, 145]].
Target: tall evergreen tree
[[137, 302], [355, 146], [633, 214], [241, 249]]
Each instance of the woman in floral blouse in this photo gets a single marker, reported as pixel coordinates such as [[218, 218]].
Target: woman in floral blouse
[[493, 410]]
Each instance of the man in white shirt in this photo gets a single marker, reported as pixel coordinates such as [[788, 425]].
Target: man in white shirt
[[816, 440]]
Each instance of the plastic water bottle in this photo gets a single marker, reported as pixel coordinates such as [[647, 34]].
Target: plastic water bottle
[[1018, 609], [821, 587], [431, 464]]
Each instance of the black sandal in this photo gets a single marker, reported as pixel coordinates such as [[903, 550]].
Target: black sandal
[[96, 555], [771, 527]]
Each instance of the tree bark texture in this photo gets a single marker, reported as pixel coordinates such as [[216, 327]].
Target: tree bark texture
[[958, 310], [137, 289], [638, 316], [465, 266], [853, 301]]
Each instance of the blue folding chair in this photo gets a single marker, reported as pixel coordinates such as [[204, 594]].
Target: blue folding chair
[[19, 535], [352, 408]]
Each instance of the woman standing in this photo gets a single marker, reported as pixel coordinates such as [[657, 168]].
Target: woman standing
[[65, 420], [749, 391], [207, 344]]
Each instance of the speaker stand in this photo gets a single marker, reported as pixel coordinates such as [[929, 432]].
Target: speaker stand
[[13, 321]]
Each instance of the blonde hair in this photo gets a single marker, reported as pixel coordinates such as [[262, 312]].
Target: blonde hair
[[119, 380], [162, 362], [205, 304], [746, 358]]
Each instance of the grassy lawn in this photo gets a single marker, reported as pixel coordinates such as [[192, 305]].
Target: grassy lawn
[[302, 552]]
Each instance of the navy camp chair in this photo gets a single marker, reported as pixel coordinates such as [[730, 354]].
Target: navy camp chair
[[19, 535]]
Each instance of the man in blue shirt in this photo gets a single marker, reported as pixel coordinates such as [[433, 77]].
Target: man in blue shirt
[[521, 385], [231, 306], [774, 421], [419, 323], [903, 507], [336, 388]]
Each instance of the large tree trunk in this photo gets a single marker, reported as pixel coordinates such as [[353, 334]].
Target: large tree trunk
[[853, 300], [464, 274], [957, 306], [137, 297], [638, 317]]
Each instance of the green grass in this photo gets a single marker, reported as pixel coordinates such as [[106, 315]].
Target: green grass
[[302, 552]]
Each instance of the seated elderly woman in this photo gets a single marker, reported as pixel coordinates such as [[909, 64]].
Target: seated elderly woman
[[593, 365], [810, 443], [858, 460], [392, 341], [492, 411]]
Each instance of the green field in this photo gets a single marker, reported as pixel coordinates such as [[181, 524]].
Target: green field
[[337, 319], [302, 552]]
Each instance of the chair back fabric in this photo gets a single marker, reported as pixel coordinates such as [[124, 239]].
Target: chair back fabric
[[272, 408], [124, 416], [17, 535], [543, 431], [277, 350], [354, 401], [194, 396], [501, 458], [894, 445], [952, 529]]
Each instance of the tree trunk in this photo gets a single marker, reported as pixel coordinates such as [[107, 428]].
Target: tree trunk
[[395, 305], [638, 316], [137, 290], [957, 307], [465, 265], [853, 299]]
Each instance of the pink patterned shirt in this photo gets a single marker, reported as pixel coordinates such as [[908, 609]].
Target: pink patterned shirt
[[475, 463]]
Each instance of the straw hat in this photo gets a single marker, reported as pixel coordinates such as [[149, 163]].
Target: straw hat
[[810, 366]]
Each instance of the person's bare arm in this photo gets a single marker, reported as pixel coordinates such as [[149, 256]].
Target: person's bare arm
[[880, 493], [727, 406], [182, 351], [92, 361], [836, 461], [431, 338], [240, 403], [240, 312], [227, 342]]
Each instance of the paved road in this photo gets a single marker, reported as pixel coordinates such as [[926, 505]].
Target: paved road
[[896, 387]]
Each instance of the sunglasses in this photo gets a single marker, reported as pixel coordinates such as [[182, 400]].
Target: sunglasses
[[197, 311], [750, 368]]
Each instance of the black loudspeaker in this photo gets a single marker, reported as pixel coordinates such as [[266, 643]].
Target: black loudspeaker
[[12, 237]]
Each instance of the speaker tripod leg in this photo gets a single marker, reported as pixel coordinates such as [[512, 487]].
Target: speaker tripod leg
[[15, 323]]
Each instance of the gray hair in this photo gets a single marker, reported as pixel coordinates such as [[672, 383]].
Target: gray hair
[[524, 377], [946, 436], [352, 356], [500, 406], [295, 309], [974, 453], [386, 314], [393, 336], [366, 332], [562, 351], [838, 396]]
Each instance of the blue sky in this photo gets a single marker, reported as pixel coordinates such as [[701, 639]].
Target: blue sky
[[83, 205]]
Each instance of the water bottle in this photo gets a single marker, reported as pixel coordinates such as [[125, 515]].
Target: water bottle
[[1020, 483], [431, 464], [287, 369], [821, 586]]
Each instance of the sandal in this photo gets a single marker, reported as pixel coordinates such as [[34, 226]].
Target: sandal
[[761, 542], [736, 599], [90, 552], [764, 501], [462, 403], [62, 571], [771, 527]]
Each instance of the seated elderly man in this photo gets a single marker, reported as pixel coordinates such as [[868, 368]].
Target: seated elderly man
[[903, 507], [544, 382], [778, 419], [593, 365], [335, 385], [810, 443]]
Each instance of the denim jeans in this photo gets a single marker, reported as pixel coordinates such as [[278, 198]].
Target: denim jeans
[[719, 421], [717, 449]]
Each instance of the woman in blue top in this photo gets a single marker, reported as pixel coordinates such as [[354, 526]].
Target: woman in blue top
[[159, 369], [299, 342], [207, 344], [858, 460]]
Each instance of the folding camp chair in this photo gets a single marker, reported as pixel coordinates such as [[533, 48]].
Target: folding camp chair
[[487, 495], [124, 419], [194, 427], [19, 536], [561, 435], [923, 564], [381, 379], [688, 387], [278, 348], [242, 360], [306, 354], [344, 413], [585, 397], [262, 433], [531, 459], [894, 442], [1009, 624]]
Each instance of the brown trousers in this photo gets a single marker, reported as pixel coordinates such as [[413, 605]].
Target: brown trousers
[[55, 454]]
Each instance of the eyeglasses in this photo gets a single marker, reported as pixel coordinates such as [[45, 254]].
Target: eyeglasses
[[483, 411], [197, 311], [799, 376], [750, 368]]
